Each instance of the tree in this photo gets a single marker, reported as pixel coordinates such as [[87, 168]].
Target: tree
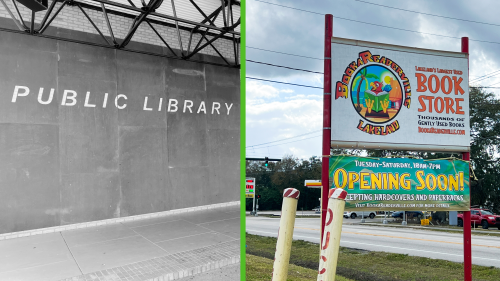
[[360, 79], [290, 172], [485, 141]]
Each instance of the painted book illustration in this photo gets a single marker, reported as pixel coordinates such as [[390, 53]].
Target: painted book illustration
[[377, 99], [376, 93]]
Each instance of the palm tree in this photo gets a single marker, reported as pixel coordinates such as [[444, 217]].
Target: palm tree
[[360, 79]]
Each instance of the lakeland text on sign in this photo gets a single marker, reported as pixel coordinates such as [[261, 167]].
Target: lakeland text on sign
[[393, 97], [402, 183]]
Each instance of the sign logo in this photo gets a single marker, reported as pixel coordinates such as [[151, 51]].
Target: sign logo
[[379, 90]]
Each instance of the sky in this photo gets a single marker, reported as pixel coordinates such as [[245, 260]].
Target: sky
[[287, 120]]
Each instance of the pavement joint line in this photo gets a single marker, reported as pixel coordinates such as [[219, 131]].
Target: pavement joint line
[[220, 233], [217, 232], [209, 229], [105, 241], [34, 266], [79, 268], [158, 246], [220, 220], [204, 233], [131, 227]]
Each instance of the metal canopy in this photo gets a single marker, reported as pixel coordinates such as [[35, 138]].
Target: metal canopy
[[210, 19]]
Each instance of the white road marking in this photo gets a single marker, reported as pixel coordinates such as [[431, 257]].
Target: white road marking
[[384, 246], [417, 250]]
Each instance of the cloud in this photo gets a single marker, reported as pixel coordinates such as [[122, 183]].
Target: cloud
[[279, 120], [256, 89], [276, 113]]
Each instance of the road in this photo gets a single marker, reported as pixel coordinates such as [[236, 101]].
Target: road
[[415, 242]]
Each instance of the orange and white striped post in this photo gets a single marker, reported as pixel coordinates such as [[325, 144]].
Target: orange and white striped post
[[331, 237], [285, 234]]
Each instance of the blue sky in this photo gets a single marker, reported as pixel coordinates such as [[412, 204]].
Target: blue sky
[[277, 113]]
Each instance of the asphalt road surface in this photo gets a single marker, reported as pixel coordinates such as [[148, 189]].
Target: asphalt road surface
[[415, 242]]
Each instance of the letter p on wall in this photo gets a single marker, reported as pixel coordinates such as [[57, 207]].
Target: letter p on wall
[[20, 91]]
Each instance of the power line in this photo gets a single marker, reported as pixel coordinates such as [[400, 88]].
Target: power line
[[299, 69], [300, 85], [253, 146], [473, 80], [283, 53], [490, 75], [285, 66], [492, 85], [369, 23], [426, 13], [291, 8], [484, 75], [292, 141]]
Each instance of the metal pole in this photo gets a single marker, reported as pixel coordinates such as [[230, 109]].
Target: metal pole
[[254, 203], [467, 230], [32, 29], [404, 218], [327, 105], [178, 31]]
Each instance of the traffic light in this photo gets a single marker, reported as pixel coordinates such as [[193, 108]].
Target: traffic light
[[267, 161], [258, 196]]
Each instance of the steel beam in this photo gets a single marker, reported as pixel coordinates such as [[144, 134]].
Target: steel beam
[[12, 15], [147, 14], [108, 24]]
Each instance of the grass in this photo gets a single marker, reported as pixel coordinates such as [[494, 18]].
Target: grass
[[363, 265], [260, 269]]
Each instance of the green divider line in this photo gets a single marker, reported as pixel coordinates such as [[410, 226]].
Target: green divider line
[[242, 138]]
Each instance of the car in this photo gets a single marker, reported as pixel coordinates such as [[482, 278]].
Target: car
[[483, 217], [409, 214], [353, 215], [317, 210]]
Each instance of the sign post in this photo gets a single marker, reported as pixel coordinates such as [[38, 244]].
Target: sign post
[[466, 223], [392, 97], [327, 130]]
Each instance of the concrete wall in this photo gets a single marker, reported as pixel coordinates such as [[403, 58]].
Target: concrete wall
[[66, 161]]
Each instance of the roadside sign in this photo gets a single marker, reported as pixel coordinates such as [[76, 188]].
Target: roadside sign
[[250, 188], [396, 97], [375, 184], [312, 183]]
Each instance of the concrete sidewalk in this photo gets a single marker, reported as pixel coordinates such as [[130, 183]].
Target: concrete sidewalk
[[170, 247]]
